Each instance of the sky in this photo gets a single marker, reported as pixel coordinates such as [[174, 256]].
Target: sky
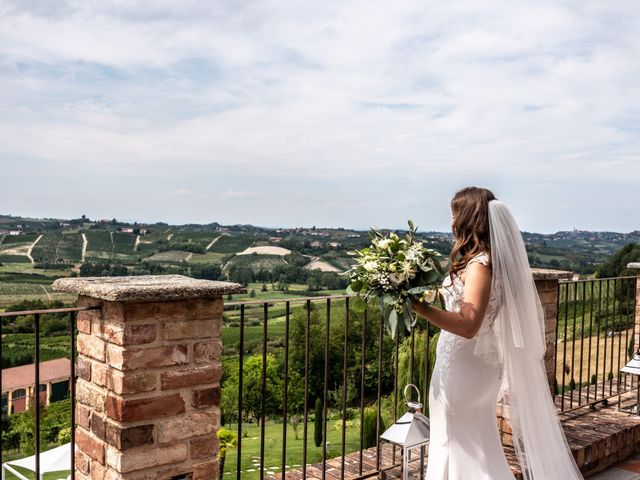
[[335, 113]]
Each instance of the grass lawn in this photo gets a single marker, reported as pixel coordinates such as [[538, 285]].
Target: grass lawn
[[250, 464], [617, 342], [48, 476]]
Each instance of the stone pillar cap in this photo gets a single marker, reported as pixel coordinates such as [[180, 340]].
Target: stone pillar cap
[[633, 265], [550, 274], [146, 287]]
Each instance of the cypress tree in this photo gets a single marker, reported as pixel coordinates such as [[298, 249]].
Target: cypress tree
[[317, 437]]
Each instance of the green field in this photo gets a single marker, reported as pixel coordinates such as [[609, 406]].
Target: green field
[[232, 244], [273, 447], [99, 245], [55, 246]]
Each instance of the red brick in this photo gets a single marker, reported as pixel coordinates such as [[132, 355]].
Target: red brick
[[98, 426], [83, 368], [83, 416], [123, 334], [98, 472], [179, 330], [126, 359], [91, 346], [203, 447], [90, 445], [128, 437], [188, 378], [207, 397], [100, 374], [132, 382], [144, 408], [141, 458], [193, 424], [83, 324], [89, 395], [202, 471], [207, 351], [83, 462]]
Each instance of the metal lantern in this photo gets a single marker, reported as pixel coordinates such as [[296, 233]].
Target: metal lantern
[[409, 432], [633, 367]]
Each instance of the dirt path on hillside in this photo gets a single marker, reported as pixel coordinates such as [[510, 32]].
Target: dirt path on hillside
[[31, 248], [85, 242], [135, 246], [212, 242], [45, 291]]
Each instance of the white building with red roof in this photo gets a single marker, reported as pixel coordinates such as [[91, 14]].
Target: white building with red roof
[[18, 384]]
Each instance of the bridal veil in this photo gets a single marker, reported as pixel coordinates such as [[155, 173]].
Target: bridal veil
[[516, 340]]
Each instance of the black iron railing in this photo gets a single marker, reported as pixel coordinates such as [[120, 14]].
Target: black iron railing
[[594, 340], [37, 318], [333, 342]]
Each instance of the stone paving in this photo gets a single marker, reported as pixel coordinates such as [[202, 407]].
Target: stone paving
[[628, 469]]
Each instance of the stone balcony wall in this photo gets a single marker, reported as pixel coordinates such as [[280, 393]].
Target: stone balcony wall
[[149, 369]]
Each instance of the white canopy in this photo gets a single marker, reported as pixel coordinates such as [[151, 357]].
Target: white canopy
[[53, 460]]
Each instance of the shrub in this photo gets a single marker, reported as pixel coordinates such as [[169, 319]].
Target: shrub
[[369, 428]]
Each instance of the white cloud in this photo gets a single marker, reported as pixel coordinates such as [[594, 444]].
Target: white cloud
[[521, 91], [237, 194], [181, 191]]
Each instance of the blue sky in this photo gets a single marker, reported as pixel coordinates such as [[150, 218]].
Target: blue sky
[[346, 113]]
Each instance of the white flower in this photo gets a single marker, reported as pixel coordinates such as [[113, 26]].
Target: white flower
[[370, 266], [429, 296], [408, 270], [384, 243]]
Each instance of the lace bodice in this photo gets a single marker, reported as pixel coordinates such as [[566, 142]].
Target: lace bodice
[[452, 290]]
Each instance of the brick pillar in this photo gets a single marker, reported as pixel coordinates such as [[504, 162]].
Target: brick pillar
[[548, 287], [636, 325], [148, 391]]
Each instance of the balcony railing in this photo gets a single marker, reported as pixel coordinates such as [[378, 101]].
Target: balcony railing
[[594, 325], [594, 340], [307, 371], [38, 317], [336, 344]]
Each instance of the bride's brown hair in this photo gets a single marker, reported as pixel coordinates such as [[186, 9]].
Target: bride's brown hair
[[470, 209]]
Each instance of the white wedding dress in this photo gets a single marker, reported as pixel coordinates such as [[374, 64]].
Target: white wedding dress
[[464, 439]]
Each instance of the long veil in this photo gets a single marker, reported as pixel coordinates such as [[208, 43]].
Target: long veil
[[517, 339]]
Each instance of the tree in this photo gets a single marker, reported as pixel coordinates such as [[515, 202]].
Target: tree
[[252, 386], [617, 264], [226, 440], [317, 432]]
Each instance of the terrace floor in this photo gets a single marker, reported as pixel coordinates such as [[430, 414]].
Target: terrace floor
[[603, 440]]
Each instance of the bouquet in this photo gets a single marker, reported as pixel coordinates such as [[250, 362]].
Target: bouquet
[[393, 270]]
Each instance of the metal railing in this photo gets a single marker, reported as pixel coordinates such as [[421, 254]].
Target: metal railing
[[335, 340], [37, 314], [329, 333], [594, 340]]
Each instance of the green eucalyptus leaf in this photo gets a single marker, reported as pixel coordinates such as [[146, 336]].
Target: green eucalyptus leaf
[[392, 322], [389, 299], [417, 290], [408, 318]]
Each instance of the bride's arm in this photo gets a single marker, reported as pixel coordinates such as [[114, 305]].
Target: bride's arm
[[475, 299]]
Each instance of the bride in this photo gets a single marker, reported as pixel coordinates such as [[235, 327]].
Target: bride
[[491, 346]]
